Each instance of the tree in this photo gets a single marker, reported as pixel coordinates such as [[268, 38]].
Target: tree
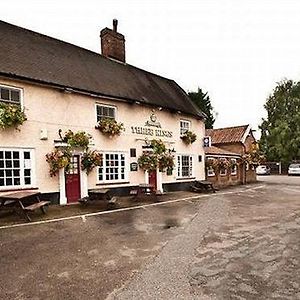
[[280, 131], [203, 102]]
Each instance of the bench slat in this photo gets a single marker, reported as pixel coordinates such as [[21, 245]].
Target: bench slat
[[36, 205]]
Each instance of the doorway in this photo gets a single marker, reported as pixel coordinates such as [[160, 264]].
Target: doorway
[[73, 180], [153, 179]]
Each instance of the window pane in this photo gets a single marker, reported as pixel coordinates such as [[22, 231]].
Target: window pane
[[7, 154], [27, 180], [4, 94], [15, 96], [27, 155]]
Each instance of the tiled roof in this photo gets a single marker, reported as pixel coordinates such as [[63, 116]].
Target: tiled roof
[[25, 54], [227, 135], [218, 151]]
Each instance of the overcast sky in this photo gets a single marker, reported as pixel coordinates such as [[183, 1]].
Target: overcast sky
[[235, 49]]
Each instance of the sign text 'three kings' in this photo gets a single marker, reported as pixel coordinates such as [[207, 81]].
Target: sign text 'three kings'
[[158, 132]]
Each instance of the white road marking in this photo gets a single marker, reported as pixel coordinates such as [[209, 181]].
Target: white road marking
[[84, 216]]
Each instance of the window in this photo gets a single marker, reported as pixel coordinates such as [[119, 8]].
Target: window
[[223, 170], [210, 169], [10, 95], [132, 152], [184, 126], [105, 112], [233, 167], [184, 166], [113, 168], [16, 169]]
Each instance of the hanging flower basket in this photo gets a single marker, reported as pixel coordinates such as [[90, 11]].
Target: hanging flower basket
[[165, 161], [159, 157], [212, 163], [58, 159], [11, 116], [90, 160], [110, 127], [148, 161], [79, 139], [189, 137], [225, 163], [158, 146]]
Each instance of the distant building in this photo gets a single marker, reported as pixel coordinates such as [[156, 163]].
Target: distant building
[[229, 145]]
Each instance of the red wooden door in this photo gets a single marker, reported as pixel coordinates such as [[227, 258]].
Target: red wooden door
[[152, 179], [73, 180]]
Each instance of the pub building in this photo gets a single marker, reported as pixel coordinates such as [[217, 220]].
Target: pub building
[[60, 87]]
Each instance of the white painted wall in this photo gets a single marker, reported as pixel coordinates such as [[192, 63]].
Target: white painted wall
[[50, 109]]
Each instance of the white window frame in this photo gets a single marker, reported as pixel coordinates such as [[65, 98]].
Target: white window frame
[[13, 88], [126, 168], [21, 168], [179, 166], [234, 168], [247, 166], [210, 170], [105, 105], [184, 129]]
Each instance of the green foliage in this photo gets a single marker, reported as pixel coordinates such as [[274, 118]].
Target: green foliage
[[78, 139], [254, 156], [202, 101], [189, 137], [90, 160], [160, 157], [158, 146], [280, 131], [165, 161], [58, 159], [110, 127], [11, 116], [148, 161]]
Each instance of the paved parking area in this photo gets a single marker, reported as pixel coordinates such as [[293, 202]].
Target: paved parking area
[[241, 243]]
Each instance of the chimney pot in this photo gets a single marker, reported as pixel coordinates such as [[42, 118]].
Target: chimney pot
[[115, 25]]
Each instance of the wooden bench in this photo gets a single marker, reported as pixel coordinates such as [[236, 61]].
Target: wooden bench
[[36, 205], [203, 185], [99, 195]]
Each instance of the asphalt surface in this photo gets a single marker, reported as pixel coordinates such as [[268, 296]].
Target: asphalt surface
[[240, 243]]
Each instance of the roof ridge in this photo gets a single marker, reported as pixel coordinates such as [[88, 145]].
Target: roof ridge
[[230, 127], [82, 48]]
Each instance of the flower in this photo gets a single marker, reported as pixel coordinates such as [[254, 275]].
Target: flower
[[90, 160], [78, 139], [110, 127], [189, 137], [11, 115]]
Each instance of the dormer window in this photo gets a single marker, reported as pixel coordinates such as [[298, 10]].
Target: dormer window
[[10, 95], [105, 112]]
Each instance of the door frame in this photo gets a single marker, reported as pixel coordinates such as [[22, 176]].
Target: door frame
[[62, 182]]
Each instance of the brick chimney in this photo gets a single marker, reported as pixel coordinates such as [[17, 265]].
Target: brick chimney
[[113, 43]]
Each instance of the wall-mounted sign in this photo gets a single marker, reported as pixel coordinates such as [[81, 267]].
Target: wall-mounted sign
[[151, 131], [133, 167], [153, 121], [207, 141]]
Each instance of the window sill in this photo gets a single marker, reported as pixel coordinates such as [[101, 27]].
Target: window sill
[[185, 178], [112, 183]]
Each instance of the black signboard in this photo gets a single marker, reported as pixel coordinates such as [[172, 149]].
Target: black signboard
[[133, 167]]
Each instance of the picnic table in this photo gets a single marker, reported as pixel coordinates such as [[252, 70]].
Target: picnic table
[[202, 185], [143, 190], [99, 194], [25, 201]]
